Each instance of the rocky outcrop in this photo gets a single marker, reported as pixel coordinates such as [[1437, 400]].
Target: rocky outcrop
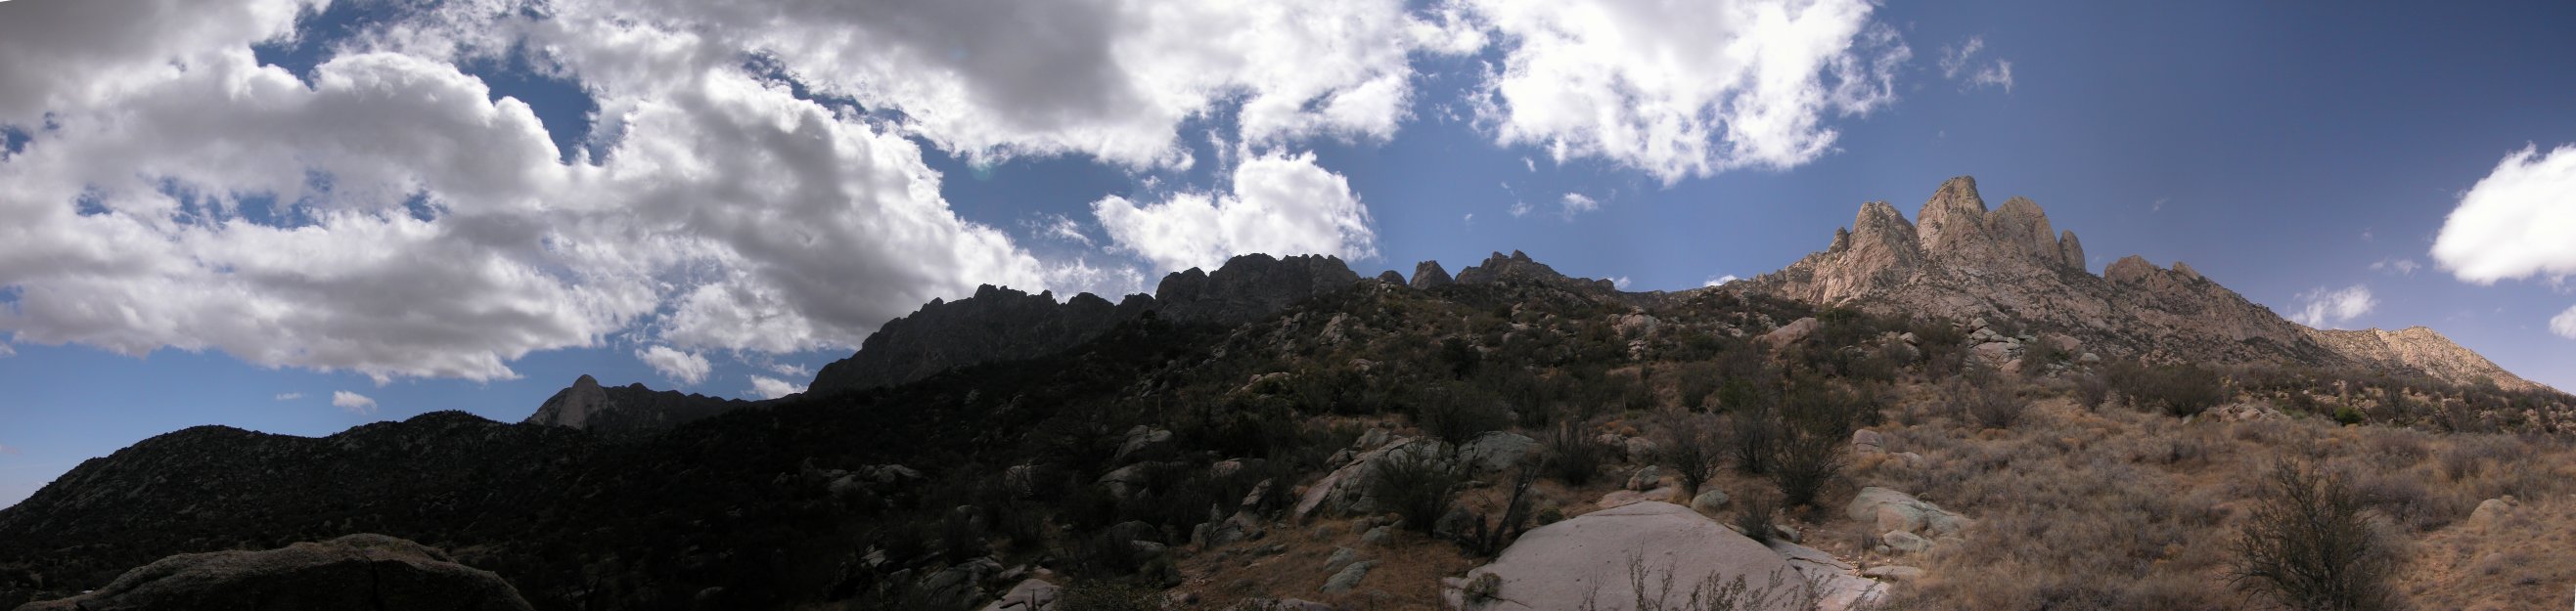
[[626, 412], [1428, 275], [1519, 267], [2420, 350], [1001, 325], [1962, 261], [1561, 565], [351, 572], [1249, 287], [995, 325]]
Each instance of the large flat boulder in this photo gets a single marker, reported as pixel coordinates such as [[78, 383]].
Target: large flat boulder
[[1557, 566], [352, 572]]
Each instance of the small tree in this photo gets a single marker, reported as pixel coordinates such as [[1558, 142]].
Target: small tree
[[1816, 424], [2309, 546], [1690, 449]]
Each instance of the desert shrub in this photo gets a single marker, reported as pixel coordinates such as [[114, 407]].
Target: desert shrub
[[1988, 401], [1653, 590], [2407, 502], [1754, 433], [2469, 457], [1574, 457], [2179, 390], [1816, 424], [1458, 413], [1695, 383], [1487, 537], [1110, 595], [1418, 485], [1690, 449], [2092, 390], [1758, 515], [2309, 546]]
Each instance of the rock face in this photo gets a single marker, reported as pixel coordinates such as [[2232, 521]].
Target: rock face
[[1428, 275], [1558, 565], [1962, 260], [626, 412], [999, 324], [1519, 267], [351, 572]]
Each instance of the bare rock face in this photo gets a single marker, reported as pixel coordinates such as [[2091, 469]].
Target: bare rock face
[[1001, 324], [351, 572], [1519, 267], [1428, 275], [626, 412], [1561, 565], [1962, 261], [2419, 349]]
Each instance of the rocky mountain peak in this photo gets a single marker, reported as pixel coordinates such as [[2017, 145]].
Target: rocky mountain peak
[[1520, 267], [574, 405], [1954, 215], [1429, 275], [625, 412]]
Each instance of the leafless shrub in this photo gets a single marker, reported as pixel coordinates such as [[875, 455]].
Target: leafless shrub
[[2309, 546]]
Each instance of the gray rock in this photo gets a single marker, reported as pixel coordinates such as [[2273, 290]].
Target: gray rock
[[353, 572], [1557, 566], [1646, 478], [1028, 596], [1893, 573], [1348, 490], [1379, 536], [1497, 451], [1349, 577], [1709, 501], [1890, 510], [1390, 277], [1142, 441], [1341, 556], [1906, 542], [1429, 275], [1867, 441]]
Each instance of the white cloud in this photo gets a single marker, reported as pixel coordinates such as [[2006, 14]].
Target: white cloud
[[1620, 283], [1960, 64], [1527, 163], [2564, 324], [289, 396], [353, 402], [2325, 309], [1720, 280], [1061, 227], [1577, 203], [1281, 205], [1114, 79], [6, 351], [1519, 209], [687, 368], [2518, 222], [771, 388], [1684, 89], [2396, 265], [791, 370]]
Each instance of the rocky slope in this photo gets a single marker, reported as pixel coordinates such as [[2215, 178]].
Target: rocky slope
[[1962, 260], [1001, 324], [362, 571], [626, 412]]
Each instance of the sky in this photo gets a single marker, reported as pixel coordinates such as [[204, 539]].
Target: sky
[[298, 216]]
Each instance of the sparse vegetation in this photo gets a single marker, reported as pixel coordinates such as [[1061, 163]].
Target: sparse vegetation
[[2308, 544], [1418, 485]]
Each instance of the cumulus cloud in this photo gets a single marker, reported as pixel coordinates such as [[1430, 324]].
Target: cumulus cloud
[[353, 402], [687, 368], [2516, 223], [1577, 203], [1114, 79], [2564, 324], [771, 388], [289, 396], [1281, 204], [1960, 64], [1719, 280], [2325, 309], [6, 351], [1688, 89]]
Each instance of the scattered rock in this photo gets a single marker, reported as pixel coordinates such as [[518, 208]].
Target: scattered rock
[[1279, 604], [1648, 477], [1141, 440], [1341, 556], [1906, 542], [1893, 573], [1792, 333], [1867, 441], [1031, 594], [1838, 585], [1379, 536], [1639, 449], [352, 572], [1349, 577], [1709, 501], [1497, 451], [1897, 511]]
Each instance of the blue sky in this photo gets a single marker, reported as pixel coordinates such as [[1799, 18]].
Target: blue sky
[[297, 218]]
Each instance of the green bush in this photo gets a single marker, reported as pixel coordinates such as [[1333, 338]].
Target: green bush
[[2347, 415]]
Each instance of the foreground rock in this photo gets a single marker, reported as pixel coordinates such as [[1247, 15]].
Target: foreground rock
[[352, 572], [1557, 566]]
